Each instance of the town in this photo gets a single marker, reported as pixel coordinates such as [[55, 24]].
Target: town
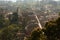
[[23, 16]]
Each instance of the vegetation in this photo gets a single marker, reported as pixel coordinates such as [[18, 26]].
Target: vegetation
[[9, 33], [2, 21], [38, 35], [9, 29], [52, 31], [13, 18]]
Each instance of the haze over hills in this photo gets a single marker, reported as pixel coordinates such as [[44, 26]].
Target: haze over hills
[[45, 5], [23, 4], [28, 2]]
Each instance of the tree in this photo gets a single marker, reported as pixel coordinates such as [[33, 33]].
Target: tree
[[2, 21], [13, 18], [52, 30], [9, 33], [37, 35]]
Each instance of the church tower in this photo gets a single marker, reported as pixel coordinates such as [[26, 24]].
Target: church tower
[[19, 11]]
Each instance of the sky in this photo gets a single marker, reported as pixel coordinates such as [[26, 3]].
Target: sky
[[11, 0], [15, 0], [56, 0], [39, 0]]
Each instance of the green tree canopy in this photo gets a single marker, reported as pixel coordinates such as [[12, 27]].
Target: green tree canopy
[[9, 33], [53, 30]]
